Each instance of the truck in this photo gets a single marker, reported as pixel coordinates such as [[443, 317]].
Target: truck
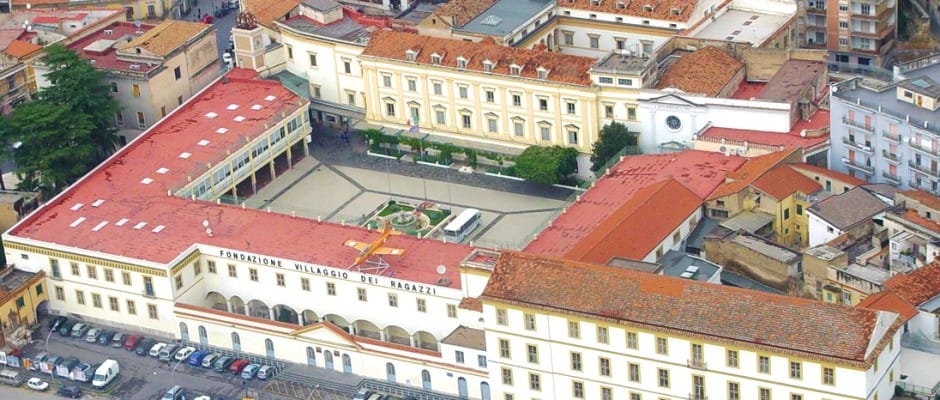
[[105, 373]]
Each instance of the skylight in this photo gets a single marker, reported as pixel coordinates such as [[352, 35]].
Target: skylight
[[163, 170], [99, 226], [77, 222], [256, 107], [211, 115], [232, 107], [158, 229], [270, 98], [77, 206], [185, 155], [221, 130], [239, 118], [121, 222], [146, 181], [140, 225], [97, 203], [203, 142]]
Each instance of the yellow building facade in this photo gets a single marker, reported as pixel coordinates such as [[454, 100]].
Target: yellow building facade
[[20, 295]]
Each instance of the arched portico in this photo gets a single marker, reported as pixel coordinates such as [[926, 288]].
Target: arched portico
[[284, 313], [338, 321], [217, 301], [397, 335], [308, 317], [366, 329], [237, 305], [258, 309], [424, 340]]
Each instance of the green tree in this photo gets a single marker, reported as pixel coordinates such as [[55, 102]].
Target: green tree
[[613, 138], [76, 83], [546, 165], [53, 145]]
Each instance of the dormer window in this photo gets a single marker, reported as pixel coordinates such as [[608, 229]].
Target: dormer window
[[436, 59], [595, 2], [487, 66], [411, 55], [543, 72], [675, 11], [515, 69], [648, 8], [621, 5], [461, 62]]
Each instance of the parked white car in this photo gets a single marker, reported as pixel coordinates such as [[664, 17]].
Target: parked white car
[[37, 384], [155, 350], [184, 353]]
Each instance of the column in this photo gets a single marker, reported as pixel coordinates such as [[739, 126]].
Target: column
[[254, 183], [273, 170], [300, 318], [247, 312], [382, 335], [228, 305], [290, 158], [411, 341], [271, 313]]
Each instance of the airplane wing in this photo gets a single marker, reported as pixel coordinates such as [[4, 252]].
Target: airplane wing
[[389, 250], [357, 245]]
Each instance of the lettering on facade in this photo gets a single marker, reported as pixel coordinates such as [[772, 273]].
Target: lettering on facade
[[332, 273], [252, 258], [413, 287]]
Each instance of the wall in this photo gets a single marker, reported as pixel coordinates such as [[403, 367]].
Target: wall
[[329, 75], [684, 229], [820, 231], [740, 259], [607, 31], [816, 272], [32, 292]]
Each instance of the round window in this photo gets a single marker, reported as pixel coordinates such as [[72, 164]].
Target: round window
[[673, 122]]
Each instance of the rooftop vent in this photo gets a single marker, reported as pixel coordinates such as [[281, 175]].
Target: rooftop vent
[[135, 67], [99, 226], [97, 203], [185, 155], [491, 20], [121, 222], [77, 206], [163, 170], [232, 107], [146, 181], [221, 130], [270, 98], [256, 107], [203, 142], [108, 32], [140, 225], [239, 118], [158, 229], [77, 222], [211, 114]]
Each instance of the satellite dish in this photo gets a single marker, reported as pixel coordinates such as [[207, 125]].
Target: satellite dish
[[137, 23], [209, 232], [441, 269]]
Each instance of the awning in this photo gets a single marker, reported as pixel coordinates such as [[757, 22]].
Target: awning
[[748, 221], [354, 115]]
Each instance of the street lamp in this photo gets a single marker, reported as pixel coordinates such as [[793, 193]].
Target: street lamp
[[55, 327]]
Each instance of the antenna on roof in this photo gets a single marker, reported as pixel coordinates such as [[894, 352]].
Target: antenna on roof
[[205, 224], [442, 281]]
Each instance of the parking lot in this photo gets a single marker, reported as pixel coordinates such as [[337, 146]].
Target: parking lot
[[141, 377]]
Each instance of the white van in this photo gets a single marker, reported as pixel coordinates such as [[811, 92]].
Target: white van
[[105, 373], [10, 377]]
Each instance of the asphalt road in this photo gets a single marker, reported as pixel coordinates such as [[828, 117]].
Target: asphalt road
[[223, 26]]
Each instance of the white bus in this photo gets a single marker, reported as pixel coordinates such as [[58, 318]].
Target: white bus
[[461, 226]]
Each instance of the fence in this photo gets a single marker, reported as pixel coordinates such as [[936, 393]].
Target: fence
[[613, 160], [252, 358]]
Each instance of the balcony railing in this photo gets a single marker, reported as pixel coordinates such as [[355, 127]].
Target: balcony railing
[[893, 158], [923, 169], [863, 147], [858, 125], [893, 137], [693, 396], [697, 363], [859, 166], [921, 148], [891, 177]]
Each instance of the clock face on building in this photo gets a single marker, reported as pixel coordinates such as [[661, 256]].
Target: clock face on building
[[673, 122]]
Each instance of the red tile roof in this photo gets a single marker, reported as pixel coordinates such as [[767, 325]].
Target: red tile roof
[[20, 49], [119, 184], [704, 71], [926, 223], [634, 229], [463, 10], [834, 175], [925, 198], [919, 286], [561, 67], [783, 181], [888, 301], [108, 58], [749, 172], [705, 311], [268, 11], [699, 171], [748, 90], [669, 10], [806, 134]]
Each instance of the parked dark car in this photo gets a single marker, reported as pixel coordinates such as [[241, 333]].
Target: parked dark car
[[105, 338], [57, 322], [196, 358], [143, 348], [70, 391], [222, 364], [65, 328]]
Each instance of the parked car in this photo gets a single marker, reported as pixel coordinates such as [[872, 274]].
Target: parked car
[[70, 391], [105, 374], [250, 371], [131, 342], [64, 368], [65, 329], [37, 359], [52, 362], [184, 353], [167, 353], [222, 364], [265, 372], [118, 340], [156, 349], [143, 348], [175, 393], [105, 338], [227, 59], [37, 384], [209, 360], [237, 366], [79, 330], [196, 358], [92, 335], [83, 372], [56, 322]]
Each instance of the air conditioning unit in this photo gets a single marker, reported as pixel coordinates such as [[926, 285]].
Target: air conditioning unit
[[135, 67], [108, 32]]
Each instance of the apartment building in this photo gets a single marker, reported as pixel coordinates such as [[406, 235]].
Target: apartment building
[[151, 69], [132, 9], [888, 133], [625, 334], [858, 33]]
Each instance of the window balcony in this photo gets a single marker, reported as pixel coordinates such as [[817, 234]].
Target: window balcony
[[858, 165], [924, 169], [856, 145], [693, 396], [923, 149], [891, 157], [892, 137], [858, 125], [697, 363], [891, 177]]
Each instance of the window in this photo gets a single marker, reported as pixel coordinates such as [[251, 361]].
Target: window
[[518, 128], [546, 133], [607, 393], [608, 111], [290, 52], [390, 109], [795, 396], [635, 396], [253, 274], [602, 336], [387, 81], [211, 265], [141, 121], [481, 361], [828, 376], [543, 104], [313, 60], [504, 348], [796, 370], [786, 213], [441, 117], [347, 66], [663, 377], [571, 107], [131, 307], [631, 340], [763, 364], [507, 376], [733, 358], [594, 41], [568, 38], [80, 297], [361, 294], [422, 305], [458, 355], [148, 286], [633, 372], [438, 88], [492, 125], [351, 98], [631, 113], [604, 366], [135, 90], [577, 390], [734, 391], [575, 361], [529, 322], [487, 66], [572, 137], [119, 118], [113, 303], [92, 272], [392, 300], [574, 329], [532, 351], [501, 318], [624, 82], [490, 96], [465, 118], [126, 278], [412, 85], [179, 281], [152, 311], [535, 382], [331, 288], [764, 394], [843, 24], [662, 346], [59, 293], [515, 70], [96, 300], [197, 268], [462, 92], [177, 73], [114, 87]]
